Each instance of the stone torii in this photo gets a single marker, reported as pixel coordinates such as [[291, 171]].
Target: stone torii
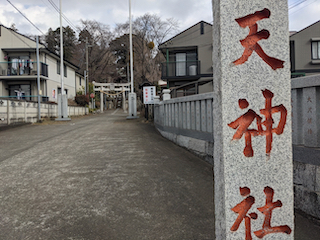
[[105, 88]]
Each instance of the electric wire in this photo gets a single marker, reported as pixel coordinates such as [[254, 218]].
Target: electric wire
[[296, 4], [25, 17], [64, 16], [302, 7]]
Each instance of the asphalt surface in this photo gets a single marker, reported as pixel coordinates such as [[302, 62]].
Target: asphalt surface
[[105, 177]]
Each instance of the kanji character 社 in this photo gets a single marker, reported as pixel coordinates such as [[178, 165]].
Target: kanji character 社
[[242, 209], [266, 210]]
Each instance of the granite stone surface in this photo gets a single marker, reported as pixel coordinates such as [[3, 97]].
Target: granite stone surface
[[247, 76]]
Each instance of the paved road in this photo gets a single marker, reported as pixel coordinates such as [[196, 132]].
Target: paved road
[[105, 177], [101, 177]]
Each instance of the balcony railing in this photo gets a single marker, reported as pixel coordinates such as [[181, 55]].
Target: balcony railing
[[22, 68], [180, 69]]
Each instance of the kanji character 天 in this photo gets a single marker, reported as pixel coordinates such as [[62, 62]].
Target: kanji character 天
[[250, 43]]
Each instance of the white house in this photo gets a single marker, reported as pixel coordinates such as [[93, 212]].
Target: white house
[[18, 69]]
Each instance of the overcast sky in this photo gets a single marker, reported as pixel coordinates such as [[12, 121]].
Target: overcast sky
[[302, 13]]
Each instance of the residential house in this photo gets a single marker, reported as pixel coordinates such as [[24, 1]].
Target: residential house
[[18, 69], [188, 65], [305, 51], [80, 82]]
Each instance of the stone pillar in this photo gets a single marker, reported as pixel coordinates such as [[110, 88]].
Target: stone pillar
[[310, 116], [166, 94], [101, 100], [252, 120], [8, 112], [132, 106], [124, 100]]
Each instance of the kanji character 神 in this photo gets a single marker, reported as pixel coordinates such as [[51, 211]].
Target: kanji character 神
[[243, 122], [250, 43]]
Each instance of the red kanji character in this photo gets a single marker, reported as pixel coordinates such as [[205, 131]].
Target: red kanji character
[[250, 43], [267, 211], [242, 209], [243, 122], [267, 112]]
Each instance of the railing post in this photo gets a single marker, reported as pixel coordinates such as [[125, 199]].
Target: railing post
[[166, 94]]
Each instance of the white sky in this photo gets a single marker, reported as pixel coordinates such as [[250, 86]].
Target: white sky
[[110, 12]]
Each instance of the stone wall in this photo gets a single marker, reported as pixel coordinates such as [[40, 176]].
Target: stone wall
[[19, 111], [306, 143], [306, 179]]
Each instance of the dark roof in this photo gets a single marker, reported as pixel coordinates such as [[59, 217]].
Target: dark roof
[[305, 28], [185, 31]]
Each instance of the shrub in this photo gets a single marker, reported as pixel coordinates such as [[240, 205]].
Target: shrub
[[82, 100]]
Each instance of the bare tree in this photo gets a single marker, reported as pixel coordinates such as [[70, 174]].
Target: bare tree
[[101, 60], [149, 31]]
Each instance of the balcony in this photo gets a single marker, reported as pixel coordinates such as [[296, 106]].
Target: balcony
[[180, 70], [24, 68]]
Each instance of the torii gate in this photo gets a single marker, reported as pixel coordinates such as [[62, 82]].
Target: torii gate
[[105, 88]]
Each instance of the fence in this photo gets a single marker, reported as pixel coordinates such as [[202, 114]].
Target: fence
[[188, 121], [15, 111]]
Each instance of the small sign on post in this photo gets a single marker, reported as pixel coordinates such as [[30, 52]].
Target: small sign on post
[[148, 94]]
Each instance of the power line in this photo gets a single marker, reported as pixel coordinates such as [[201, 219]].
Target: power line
[[296, 4], [25, 17], [64, 17], [302, 7]]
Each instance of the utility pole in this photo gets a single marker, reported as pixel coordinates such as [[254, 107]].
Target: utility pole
[[132, 96], [38, 79], [85, 82], [87, 66], [62, 97]]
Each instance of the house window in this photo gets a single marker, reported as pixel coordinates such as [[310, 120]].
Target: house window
[[58, 67], [315, 49], [202, 28], [64, 68], [181, 64], [22, 91], [65, 91], [186, 63]]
